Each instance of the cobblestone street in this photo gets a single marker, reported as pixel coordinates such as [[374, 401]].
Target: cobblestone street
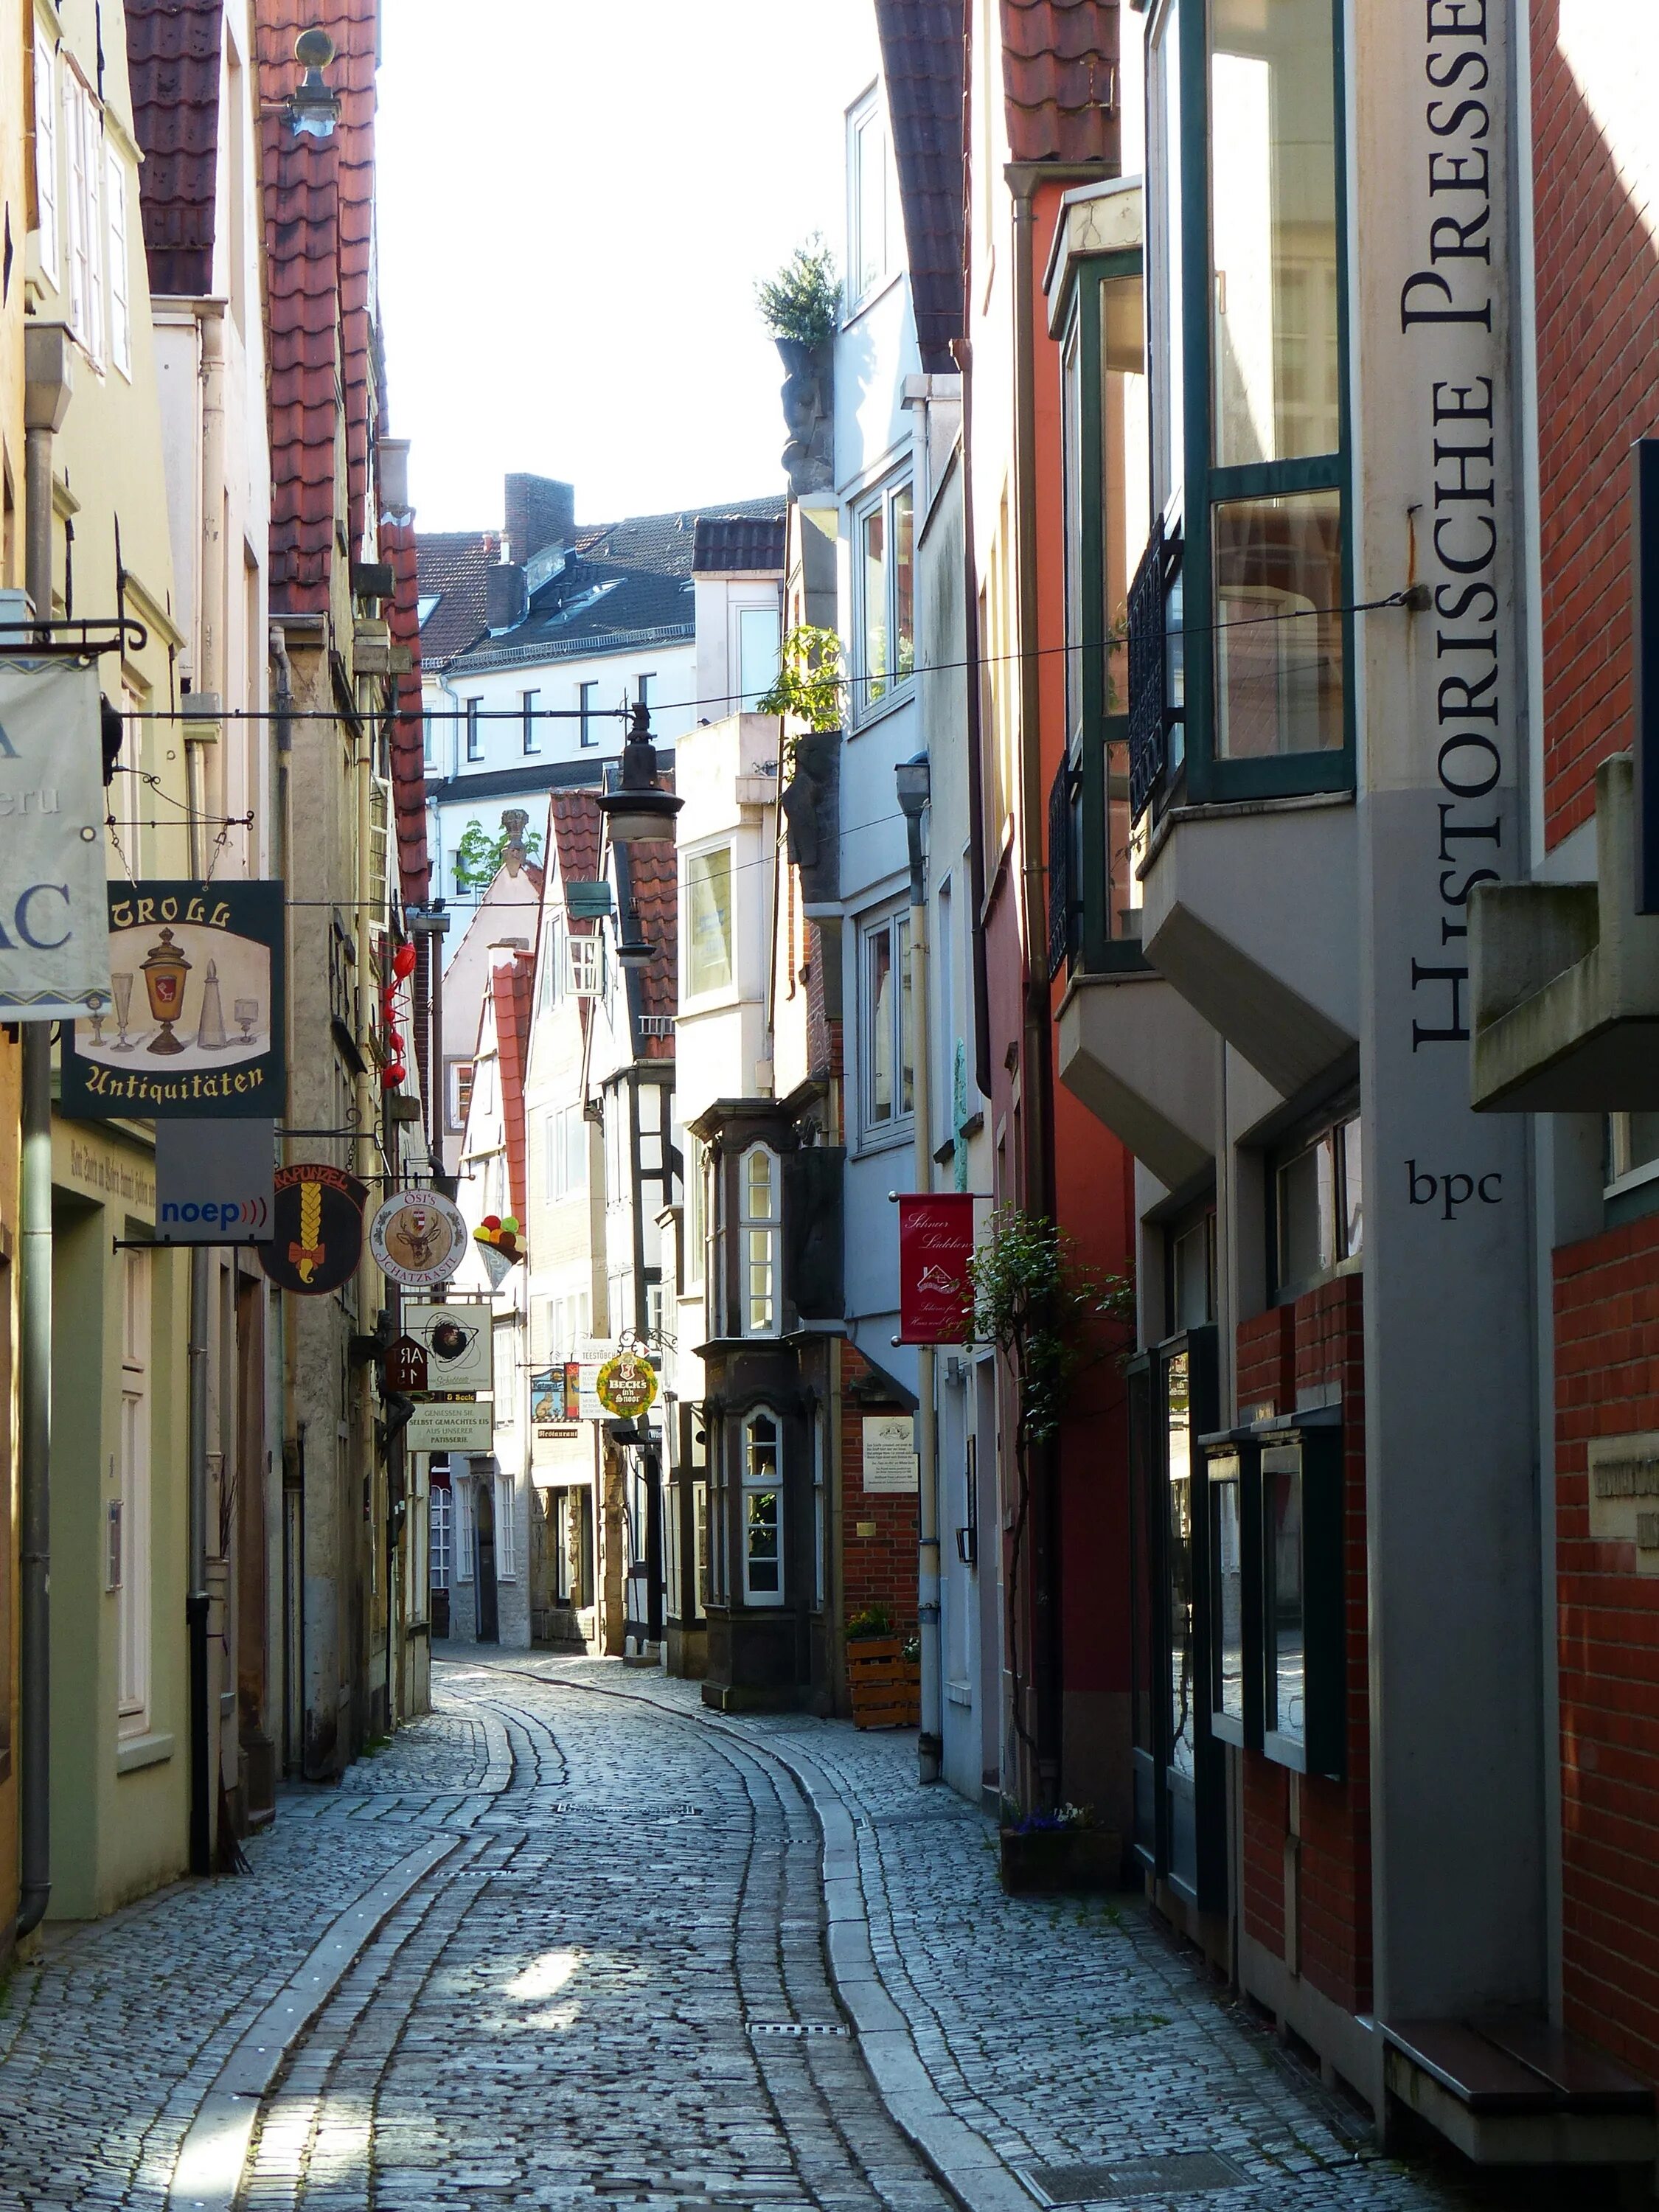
[[575, 1941]]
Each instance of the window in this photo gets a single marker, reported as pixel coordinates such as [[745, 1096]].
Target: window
[[759, 1223], [758, 654], [1227, 1597], [1189, 1261], [506, 1537], [872, 212], [700, 1537], [442, 1538], [693, 1218], [527, 709], [83, 139], [462, 1494], [820, 1516], [133, 1482], [585, 963], [552, 962], [642, 688], [1318, 1207], [120, 309], [763, 1512], [474, 732], [1283, 1609], [1163, 169], [566, 1152], [428, 741], [1632, 1154], [46, 154], [709, 920], [884, 652], [999, 690], [587, 696], [889, 1025], [460, 1092]]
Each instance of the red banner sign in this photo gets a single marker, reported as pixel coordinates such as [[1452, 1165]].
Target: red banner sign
[[936, 1243]]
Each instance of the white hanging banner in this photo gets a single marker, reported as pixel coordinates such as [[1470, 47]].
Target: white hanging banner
[[54, 914]]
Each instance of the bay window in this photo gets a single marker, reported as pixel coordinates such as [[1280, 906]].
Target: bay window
[[888, 1026], [760, 1229], [708, 963], [1249, 462], [763, 1511]]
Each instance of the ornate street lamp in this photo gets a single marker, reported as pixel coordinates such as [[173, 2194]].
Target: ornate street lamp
[[637, 808]]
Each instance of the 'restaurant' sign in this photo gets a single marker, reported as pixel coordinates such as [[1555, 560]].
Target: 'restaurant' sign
[[54, 947], [936, 1243], [194, 1031], [319, 1235]]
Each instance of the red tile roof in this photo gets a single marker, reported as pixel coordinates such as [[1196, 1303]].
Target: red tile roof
[[172, 70], [407, 727], [453, 565], [923, 59], [512, 988], [575, 824], [1060, 81], [319, 209], [654, 885]]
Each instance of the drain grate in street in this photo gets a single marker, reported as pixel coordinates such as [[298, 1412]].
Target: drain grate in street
[[792, 2028], [604, 1810], [1182, 2172]]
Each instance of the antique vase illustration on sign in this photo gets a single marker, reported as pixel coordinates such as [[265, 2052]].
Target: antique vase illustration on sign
[[178, 952]]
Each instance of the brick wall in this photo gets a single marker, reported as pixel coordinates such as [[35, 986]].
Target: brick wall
[[1607, 1343], [878, 1569], [1316, 1340], [1598, 389]]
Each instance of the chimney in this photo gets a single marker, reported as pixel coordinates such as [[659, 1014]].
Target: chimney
[[540, 511], [506, 600]]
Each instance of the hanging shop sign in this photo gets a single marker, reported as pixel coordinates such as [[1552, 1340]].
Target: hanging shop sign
[[890, 1453], [446, 1424], [456, 1342], [418, 1238], [936, 1243], [317, 1238], [626, 1385], [54, 943], [556, 1397], [195, 1026], [403, 1368], [215, 1182]]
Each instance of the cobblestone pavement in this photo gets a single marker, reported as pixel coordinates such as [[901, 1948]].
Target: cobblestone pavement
[[613, 1991]]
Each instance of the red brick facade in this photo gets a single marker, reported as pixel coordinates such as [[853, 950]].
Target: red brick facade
[[1319, 1339], [878, 1569], [1607, 1349], [1598, 389]]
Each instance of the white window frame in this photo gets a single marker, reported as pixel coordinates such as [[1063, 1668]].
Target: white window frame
[[749, 1485], [553, 960], [117, 200], [440, 1557], [45, 159], [460, 1489], [566, 1139], [866, 121], [760, 1246], [899, 1119], [1625, 1172], [585, 964], [694, 1213], [874, 692], [83, 141], [507, 1533], [743, 614], [133, 1614], [688, 902]]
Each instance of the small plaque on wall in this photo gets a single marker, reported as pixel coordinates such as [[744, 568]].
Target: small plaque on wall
[[890, 1453]]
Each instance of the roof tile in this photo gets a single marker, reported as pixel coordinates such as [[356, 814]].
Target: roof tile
[[923, 62], [173, 71], [1061, 80]]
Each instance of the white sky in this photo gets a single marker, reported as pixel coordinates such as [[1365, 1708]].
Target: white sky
[[576, 203]]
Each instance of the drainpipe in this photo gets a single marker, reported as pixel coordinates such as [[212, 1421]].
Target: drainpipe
[[913, 795], [1036, 1091], [46, 402]]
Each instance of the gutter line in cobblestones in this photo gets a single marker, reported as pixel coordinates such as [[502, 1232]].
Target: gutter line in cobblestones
[[208, 2175]]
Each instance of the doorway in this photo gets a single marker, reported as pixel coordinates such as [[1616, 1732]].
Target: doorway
[[483, 1539]]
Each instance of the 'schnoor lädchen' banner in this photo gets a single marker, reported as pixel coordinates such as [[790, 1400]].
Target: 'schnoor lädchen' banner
[[936, 1243]]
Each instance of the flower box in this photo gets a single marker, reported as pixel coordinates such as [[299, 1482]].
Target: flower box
[[886, 1686], [1044, 1861]]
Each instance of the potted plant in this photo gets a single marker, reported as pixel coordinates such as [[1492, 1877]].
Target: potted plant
[[1047, 1852], [884, 1672], [801, 305]]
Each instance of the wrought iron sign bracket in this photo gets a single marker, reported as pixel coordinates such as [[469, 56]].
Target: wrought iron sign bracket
[[73, 640]]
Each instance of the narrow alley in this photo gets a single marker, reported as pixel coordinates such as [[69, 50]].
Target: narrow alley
[[573, 1940]]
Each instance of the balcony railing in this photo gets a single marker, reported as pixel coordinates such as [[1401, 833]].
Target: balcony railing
[[1148, 688]]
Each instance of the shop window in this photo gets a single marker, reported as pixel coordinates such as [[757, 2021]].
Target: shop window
[[884, 650], [888, 1050], [1229, 1681], [763, 1512], [760, 1226], [1318, 1208], [1303, 1671], [708, 943]]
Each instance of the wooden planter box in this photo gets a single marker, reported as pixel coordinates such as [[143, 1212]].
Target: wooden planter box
[[886, 1686], [1046, 1860]]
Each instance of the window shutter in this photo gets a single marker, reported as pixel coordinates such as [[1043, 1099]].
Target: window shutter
[[121, 311], [45, 154]]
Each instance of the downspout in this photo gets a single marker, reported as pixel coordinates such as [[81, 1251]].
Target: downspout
[[46, 398], [930, 1744], [1037, 1166]]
